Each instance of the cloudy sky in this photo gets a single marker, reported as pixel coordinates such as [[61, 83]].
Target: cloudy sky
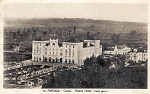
[[104, 11]]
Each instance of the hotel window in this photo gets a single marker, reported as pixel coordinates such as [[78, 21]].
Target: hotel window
[[134, 56], [65, 60], [45, 49], [69, 52], [61, 54], [60, 59], [73, 53], [73, 61], [34, 51], [49, 59], [69, 61], [34, 58], [66, 52]]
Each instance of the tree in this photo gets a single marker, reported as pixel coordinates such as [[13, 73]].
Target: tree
[[100, 61], [115, 38]]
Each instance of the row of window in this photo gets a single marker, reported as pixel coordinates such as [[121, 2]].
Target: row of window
[[36, 59], [68, 52], [70, 46], [37, 51], [53, 44]]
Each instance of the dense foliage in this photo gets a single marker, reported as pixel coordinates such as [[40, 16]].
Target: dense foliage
[[96, 73]]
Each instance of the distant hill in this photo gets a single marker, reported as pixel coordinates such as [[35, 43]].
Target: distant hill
[[18, 31], [81, 24]]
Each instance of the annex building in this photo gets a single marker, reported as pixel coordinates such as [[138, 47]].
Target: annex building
[[65, 52]]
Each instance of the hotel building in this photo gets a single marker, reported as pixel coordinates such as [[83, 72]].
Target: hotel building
[[65, 52]]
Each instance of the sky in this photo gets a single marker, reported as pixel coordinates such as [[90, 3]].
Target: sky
[[103, 11]]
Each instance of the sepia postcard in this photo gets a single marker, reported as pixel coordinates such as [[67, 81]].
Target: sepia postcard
[[74, 47]]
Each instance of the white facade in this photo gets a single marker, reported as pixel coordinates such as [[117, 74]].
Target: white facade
[[65, 52], [138, 56], [121, 49]]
